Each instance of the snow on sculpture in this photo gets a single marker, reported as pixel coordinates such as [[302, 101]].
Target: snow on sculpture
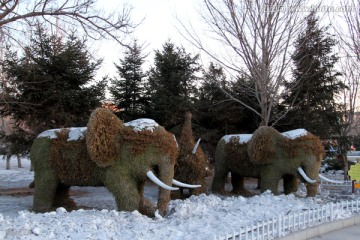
[[106, 153], [269, 156]]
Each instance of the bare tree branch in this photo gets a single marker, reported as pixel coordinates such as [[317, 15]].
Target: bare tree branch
[[80, 13], [256, 39]]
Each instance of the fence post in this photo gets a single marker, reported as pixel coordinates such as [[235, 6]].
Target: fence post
[[279, 226], [331, 212], [246, 233]]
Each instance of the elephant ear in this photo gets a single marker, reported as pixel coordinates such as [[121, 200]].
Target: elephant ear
[[103, 137], [262, 146]]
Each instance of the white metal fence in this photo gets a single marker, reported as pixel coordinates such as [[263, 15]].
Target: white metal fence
[[281, 225], [344, 186]]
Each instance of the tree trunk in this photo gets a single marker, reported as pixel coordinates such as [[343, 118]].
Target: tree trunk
[[8, 162], [19, 161], [343, 143]]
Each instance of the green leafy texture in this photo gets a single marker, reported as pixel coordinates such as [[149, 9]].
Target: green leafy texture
[[128, 88], [172, 84], [49, 85], [233, 157], [218, 115], [284, 157], [316, 84]]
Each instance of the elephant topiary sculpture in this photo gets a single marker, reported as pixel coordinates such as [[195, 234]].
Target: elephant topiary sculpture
[[191, 163], [107, 153], [269, 156]]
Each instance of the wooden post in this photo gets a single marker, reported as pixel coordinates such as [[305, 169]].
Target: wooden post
[[353, 186]]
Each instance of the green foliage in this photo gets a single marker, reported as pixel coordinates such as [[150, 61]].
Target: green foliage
[[172, 85], [128, 89], [332, 164], [313, 90], [218, 114], [49, 84]]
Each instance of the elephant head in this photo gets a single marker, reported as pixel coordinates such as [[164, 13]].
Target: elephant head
[[110, 153], [191, 163], [291, 154]]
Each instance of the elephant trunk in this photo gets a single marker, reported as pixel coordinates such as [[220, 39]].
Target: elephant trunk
[[312, 185], [166, 174]]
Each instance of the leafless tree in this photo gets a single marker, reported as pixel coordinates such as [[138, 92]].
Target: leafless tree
[[17, 15], [347, 28], [256, 37]]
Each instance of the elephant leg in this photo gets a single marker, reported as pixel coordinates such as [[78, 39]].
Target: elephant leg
[[126, 191], [312, 189], [146, 207], [290, 183], [218, 184], [62, 197], [270, 181], [238, 185], [45, 188]]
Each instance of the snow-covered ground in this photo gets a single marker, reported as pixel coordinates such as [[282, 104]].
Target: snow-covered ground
[[198, 217]]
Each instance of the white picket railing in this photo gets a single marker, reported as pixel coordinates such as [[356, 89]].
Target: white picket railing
[[283, 224], [344, 185]]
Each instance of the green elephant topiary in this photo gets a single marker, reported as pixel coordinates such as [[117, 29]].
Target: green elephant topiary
[[107, 153], [269, 156]]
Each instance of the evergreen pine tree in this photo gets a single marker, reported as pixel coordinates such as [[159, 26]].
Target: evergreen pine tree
[[218, 114], [172, 86], [128, 89], [313, 90], [49, 85]]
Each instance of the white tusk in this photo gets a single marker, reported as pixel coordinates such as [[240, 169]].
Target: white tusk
[[303, 174], [196, 146], [180, 184], [329, 180], [177, 145], [157, 181]]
